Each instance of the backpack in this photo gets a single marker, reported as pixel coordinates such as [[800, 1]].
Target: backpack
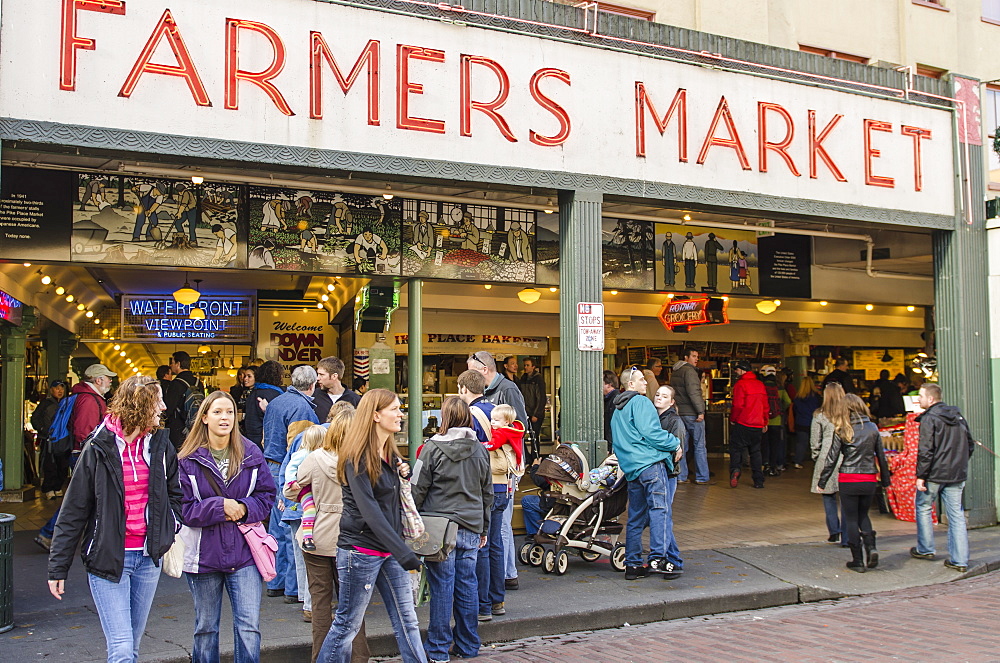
[[187, 409], [60, 434], [773, 401]]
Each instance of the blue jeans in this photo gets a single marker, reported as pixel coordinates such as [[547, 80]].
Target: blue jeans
[[301, 578], [490, 565], [695, 446], [958, 537], [49, 528], [244, 589], [509, 558], [833, 526], [650, 497], [454, 590], [531, 509], [359, 575], [123, 606], [284, 560]]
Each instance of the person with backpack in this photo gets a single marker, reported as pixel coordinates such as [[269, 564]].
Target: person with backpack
[[184, 396], [55, 466], [778, 402], [76, 418]]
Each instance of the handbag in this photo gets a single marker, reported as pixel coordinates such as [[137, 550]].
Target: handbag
[[172, 561], [413, 524], [437, 541], [263, 546]]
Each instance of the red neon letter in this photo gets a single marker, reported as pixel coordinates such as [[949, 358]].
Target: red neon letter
[[816, 147], [185, 68], [722, 113], [918, 135], [261, 79], [404, 88], [678, 105], [70, 42], [781, 146], [321, 52], [565, 126], [490, 107], [871, 153]]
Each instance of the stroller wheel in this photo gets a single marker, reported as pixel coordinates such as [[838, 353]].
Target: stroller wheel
[[524, 551], [562, 563], [549, 561], [618, 558], [590, 555], [535, 555]]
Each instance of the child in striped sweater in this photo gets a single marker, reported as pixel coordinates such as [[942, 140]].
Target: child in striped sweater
[[312, 438]]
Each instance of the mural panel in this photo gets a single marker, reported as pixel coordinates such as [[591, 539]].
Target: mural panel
[[693, 259]]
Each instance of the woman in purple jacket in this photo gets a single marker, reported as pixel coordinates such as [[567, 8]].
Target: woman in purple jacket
[[225, 483]]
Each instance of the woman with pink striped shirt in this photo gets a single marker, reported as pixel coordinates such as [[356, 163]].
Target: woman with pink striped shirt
[[124, 502]]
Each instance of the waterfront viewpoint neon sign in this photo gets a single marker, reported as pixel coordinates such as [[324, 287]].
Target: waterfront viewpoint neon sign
[[151, 318]]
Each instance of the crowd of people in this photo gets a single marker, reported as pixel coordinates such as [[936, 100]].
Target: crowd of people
[[166, 475]]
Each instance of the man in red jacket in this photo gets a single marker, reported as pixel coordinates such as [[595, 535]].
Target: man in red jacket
[[749, 421]]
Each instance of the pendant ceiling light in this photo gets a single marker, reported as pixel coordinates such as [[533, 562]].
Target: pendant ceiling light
[[529, 295], [204, 349], [196, 314], [186, 295]]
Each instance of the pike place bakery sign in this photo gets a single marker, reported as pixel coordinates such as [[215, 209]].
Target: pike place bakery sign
[[330, 76]]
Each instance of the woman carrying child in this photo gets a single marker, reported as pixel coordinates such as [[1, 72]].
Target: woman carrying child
[[452, 479]]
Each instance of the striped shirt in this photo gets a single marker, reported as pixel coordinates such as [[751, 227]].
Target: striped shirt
[[135, 472]]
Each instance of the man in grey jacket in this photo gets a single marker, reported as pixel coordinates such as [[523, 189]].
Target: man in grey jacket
[[691, 407]]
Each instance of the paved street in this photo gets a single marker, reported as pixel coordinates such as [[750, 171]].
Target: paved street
[[950, 622]]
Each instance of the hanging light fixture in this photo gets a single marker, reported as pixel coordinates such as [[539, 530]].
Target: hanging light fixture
[[529, 295], [196, 314], [204, 349], [886, 358], [767, 307], [186, 295], [60, 290]]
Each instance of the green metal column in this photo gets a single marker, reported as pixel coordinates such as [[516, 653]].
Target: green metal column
[[59, 345], [582, 414], [13, 341], [415, 365], [962, 332]]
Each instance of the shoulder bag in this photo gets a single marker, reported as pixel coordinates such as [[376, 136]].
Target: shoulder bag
[[263, 546], [438, 536]]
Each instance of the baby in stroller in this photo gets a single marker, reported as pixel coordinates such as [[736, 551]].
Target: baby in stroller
[[583, 516]]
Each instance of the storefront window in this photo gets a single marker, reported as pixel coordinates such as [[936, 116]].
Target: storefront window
[[991, 116]]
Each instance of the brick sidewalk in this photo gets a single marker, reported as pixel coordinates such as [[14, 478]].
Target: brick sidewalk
[[950, 622]]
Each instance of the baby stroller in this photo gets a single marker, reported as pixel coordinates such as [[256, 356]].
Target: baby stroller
[[585, 515]]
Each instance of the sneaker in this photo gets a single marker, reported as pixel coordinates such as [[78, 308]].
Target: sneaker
[[919, 555], [833, 538], [798, 466], [510, 583], [50, 495], [59, 493], [961, 568], [665, 568], [636, 572], [734, 478], [44, 542], [498, 609], [486, 618], [307, 616], [759, 485]]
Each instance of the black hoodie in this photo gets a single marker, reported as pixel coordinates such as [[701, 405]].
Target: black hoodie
[[945, 445], [452, 479]]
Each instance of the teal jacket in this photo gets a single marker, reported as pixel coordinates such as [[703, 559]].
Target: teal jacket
[[639, 440]]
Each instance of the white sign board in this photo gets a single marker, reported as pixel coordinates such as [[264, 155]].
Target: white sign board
[[275, 71], [590, 326]]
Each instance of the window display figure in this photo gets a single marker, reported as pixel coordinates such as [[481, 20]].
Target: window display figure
[[340, 216], [712, 248], [150, 199], [669, 261], [734, 266], [187, 210], [470, 232], [518, 240], [689, 254], [423, 232], [367, 247]]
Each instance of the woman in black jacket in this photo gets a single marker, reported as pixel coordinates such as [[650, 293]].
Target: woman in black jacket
[[857, 439], [124, 502], [452, 479], [267, 386], [371, 551]]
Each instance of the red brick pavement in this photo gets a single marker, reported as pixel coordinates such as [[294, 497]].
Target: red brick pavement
[[951, 622]]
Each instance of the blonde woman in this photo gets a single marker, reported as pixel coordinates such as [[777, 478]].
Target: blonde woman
[[371, 552], [807, 400], [318, 473], [226, 483], [857, 448], [124, 504], [820, 439]]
